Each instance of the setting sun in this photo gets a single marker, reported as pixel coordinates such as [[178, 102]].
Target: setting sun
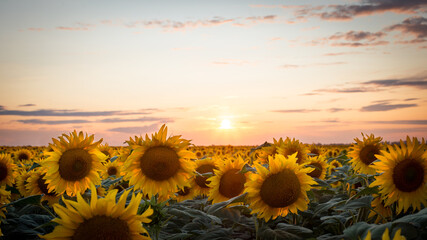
[[225, 124]]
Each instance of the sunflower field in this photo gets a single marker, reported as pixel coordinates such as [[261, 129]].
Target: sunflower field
[[163, 187]]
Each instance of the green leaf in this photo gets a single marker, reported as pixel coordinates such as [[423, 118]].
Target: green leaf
[[363, 202], [35, 200], [297, 230], [217, 206]]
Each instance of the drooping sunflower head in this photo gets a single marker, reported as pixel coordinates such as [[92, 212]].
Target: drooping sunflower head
[[161, 165], [36, 184], [228, 181], [363, 153], [101, 219], [319, 166], [289, 147], [379, 211], [7, 170], [403, 176], [204, 166], [106, 150], [74, 163], [21, 182], [280, 189], [315, 150]]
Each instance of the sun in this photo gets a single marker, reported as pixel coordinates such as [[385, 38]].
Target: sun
[[226, 124]]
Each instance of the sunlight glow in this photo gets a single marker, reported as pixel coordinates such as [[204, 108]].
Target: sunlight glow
[[225, 124]]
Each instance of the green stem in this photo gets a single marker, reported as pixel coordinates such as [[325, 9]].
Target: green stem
[[256, 226], [47, 210]]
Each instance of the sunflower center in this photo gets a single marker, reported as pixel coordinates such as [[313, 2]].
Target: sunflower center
[[315, 151], [408, 175], [41, 183], [102, 227], [232, 183], [367, 154], [281, 189], [201, 180], [23, 156], [75, 164], [184, 192], [198, 154], [294, 149], [160, 163], [317, 170], [112, 171], [3, 171]]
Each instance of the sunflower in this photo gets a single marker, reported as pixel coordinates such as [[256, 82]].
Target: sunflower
[[23, 155], [36, 184], [113, 169], [332, 165], [403, 176], [386, 235], [315, 150], [319, 166], [4, 199], [228, 181], [289, 147], [270, 150], [280, 189], [204, 166], [106, 150], [101, 219], [161, 165], [73, 164], [187, 193], [7, 170], [134, 143], [363, 153], [378, 205], [21, 181]]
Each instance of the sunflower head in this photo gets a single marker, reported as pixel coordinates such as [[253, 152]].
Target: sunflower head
[[319, 166], [74, 163], [7, 170], [36, 184], [23, 155], [289, 147], [204, 166], [280, 189], [161, 165], [113, 169], [106, 150], [228, 181], [101, 219], [363, 153], [403, 174], [315, 150]]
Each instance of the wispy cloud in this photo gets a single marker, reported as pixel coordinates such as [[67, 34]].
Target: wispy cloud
[[290, 66], [53, 122], [403, 122], [35, 29], [416, 82], [68, 113], [380, 107], [296, 110], [339, 54], [27, 105], [78, 27], [144, 119], [344, 90], [136, 129]]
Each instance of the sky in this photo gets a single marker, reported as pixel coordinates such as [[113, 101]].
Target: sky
[[216, 72]]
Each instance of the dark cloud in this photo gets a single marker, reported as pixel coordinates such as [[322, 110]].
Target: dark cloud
[[410, 99], [407, 122], [415, 26], [27, 105], [344, 90], [136, 130], [417, 82], [370, 7], [385, 107], [296, 110], [53, 122], [67, 113]]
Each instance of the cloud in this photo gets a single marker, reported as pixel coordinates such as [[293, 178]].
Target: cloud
[[337, 109], [358, 36], [407, 122], [68, 113], [80, 27], [144, 119], [414, 26], [339, 54], [312, 65], [410, 99], [416, 82], [380, 107], [296, 110], [54, 122], [345, 90], [36, 29], [136, 130], [27, 105]]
